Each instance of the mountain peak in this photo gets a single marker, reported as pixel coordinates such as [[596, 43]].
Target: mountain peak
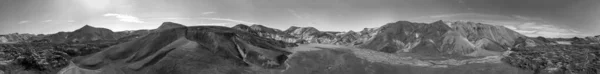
[[439, 21], [169, 25], [87, 27]]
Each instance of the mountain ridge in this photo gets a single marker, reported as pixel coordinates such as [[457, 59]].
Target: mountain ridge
[[439, 37]]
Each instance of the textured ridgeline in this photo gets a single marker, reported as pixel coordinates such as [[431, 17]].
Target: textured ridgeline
[[86, 33], [89, 34], [187, 50], [464, 38]]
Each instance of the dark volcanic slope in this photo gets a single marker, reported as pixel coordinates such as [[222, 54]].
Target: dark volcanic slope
[[190, 50]]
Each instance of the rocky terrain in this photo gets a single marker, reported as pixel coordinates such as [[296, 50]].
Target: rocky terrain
[[559, 59], [397, 47]]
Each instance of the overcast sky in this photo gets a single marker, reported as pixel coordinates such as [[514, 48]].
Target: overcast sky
[[551, 18]]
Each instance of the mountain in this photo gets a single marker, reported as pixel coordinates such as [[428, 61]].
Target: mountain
[[462, 38], [169, 25], [88, 33], [83, 34], [131, 35], [302, 35], [267, 32], [198, 49], [437, 38], [475, 31], [135, 34], [399, 47], [16, 37], [403, 36]]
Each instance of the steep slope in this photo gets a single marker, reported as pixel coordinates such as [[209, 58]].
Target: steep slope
[[200, 49]]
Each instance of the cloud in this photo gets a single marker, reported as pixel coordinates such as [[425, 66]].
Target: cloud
[[47, 21], [125, 18], [534, 29], [229, 20], [70, 21], [23, 22], [207, 13], [527, 18]]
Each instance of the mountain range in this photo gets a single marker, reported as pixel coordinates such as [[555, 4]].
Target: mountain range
[[462, 38], [437, 38], [175, 49]]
